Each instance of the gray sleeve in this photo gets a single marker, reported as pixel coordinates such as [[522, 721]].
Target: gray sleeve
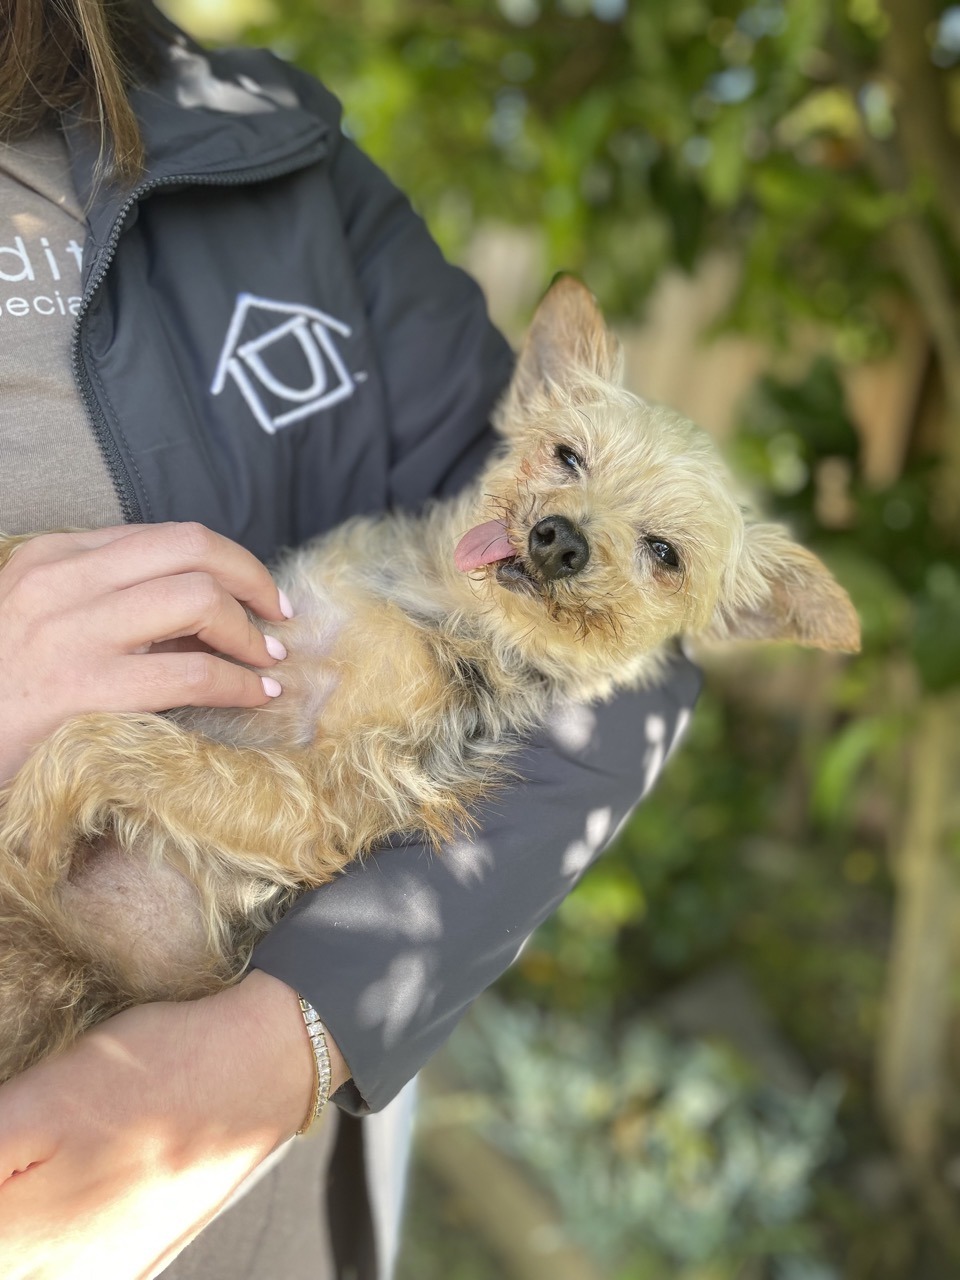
[[392, 953]]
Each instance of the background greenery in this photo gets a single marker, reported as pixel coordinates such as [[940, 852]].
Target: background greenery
[[733, 1052]]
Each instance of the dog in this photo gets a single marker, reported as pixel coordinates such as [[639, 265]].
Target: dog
[[141, 856]]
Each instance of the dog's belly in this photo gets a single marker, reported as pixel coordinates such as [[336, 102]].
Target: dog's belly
[[313, 671], [355, 660], [145, 917], [310, 675]]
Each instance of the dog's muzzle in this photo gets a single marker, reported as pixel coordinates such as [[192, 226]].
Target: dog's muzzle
[[557, 548]]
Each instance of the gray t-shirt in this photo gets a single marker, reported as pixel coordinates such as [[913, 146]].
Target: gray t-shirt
[[52, 474]]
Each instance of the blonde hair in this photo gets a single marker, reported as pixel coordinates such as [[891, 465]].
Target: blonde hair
[[56, 55]]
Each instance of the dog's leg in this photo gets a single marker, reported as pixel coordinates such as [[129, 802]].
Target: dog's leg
[[139, 774], [293, 818]]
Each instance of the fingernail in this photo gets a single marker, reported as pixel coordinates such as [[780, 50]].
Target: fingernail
[[286, 608], [275, 648], [272, 688]]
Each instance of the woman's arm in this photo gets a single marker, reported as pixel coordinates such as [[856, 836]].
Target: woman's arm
[[115, 1154]]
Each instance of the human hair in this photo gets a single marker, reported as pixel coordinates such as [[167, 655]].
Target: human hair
[[57, 55]]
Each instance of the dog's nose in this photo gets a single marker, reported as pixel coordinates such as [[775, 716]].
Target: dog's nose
[[557, 547]]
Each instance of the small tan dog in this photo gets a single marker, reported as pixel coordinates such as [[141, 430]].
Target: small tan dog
[[142, 855]]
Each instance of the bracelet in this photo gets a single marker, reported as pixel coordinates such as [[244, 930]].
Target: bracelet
[[321, 1063]]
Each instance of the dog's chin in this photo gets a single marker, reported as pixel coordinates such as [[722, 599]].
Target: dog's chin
[[514, 575]]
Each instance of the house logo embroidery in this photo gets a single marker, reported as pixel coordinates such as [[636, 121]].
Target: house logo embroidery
[[284, 361]]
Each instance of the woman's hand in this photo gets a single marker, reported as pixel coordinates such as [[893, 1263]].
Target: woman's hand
[[116, 1153], [96, 621]]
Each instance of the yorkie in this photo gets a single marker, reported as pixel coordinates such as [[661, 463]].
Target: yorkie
[[142, 855]]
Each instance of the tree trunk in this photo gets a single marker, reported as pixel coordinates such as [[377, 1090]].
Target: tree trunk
[[912, 1057], [928, 160]]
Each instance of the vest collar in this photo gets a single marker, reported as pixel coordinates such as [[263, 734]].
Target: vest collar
[[225, 116]]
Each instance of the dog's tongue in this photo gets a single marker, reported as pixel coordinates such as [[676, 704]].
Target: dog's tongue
[[483, 545]]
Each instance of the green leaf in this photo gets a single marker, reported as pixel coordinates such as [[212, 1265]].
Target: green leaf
[[724, 175], [844, 757]]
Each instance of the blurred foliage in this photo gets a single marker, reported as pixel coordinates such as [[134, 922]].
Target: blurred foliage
[[898, 561], [674, 1158], [636, 136]]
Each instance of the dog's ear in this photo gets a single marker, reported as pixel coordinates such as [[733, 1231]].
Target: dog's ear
[[783, 592], [567, 339]]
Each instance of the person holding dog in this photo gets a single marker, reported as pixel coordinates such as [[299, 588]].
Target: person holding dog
[[224, 331]]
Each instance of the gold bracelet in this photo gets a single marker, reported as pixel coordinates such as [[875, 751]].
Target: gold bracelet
[[321, 1063]]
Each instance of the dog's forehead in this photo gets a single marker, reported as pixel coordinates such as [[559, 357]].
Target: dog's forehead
[[625, 421], [655, 426], [640, 443]]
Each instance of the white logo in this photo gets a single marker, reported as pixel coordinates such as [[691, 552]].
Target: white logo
[[288, 369]]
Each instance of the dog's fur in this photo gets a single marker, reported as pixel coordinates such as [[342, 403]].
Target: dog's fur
[[141, 855]]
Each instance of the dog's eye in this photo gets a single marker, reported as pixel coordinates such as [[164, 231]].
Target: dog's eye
[[665, 552], [568, 457]]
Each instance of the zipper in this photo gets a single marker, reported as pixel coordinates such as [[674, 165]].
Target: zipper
[[129, 502]]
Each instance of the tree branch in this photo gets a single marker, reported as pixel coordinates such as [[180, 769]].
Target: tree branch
[[930, 152]]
